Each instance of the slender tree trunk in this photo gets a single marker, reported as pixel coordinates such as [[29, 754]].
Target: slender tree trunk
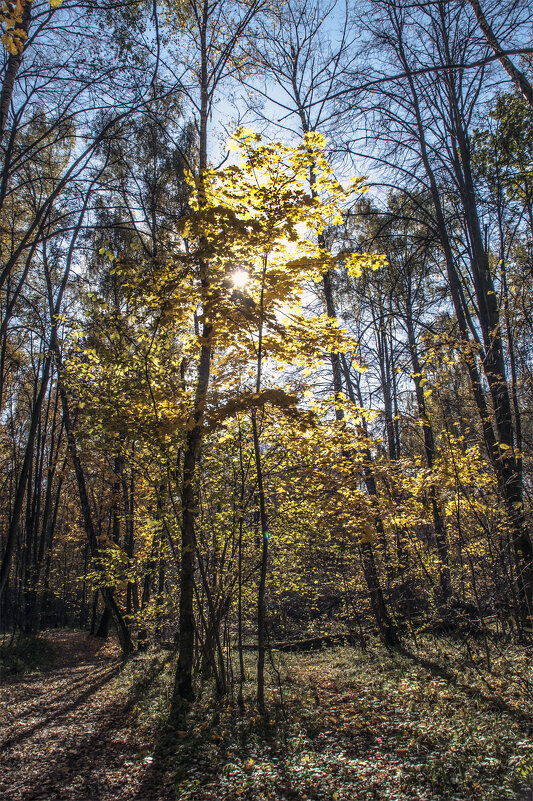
[[22, 482], [517, 77], [13, 66], [441, 539], [261, 593], [242, 674], [506, 464], [183, 682], [107, 592], [377, 601], [183, 689], [149, 577], [128, 496], [503, 462]]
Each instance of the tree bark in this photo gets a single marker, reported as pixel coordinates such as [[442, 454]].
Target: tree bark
[[107, 592], [439, 526], [13, 66], [517, 77], [261, 600], [504, 459], [377, 601]]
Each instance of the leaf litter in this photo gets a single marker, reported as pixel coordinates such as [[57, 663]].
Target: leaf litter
[[347, 725]]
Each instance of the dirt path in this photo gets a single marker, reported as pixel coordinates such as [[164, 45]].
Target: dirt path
[[69, 733]]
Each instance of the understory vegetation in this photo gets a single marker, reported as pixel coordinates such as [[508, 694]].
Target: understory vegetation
[[25, 654], [350, 724]]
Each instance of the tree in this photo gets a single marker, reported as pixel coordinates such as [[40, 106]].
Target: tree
[[517, 76], [441, 157]]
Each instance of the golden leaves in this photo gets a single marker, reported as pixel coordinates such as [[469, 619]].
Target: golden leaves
[[357, 263], [12, 14]]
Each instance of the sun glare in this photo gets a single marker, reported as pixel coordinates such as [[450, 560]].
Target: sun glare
[[240, 279]]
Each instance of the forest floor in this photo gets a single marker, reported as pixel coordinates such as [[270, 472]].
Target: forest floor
[[344, 725]]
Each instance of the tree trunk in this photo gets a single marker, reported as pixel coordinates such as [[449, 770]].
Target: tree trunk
[[504, 458], [384, 622], [261, 601], [183, 681], [439, 526], [517, 77], [107, 592], [13, 66], [508, 479]]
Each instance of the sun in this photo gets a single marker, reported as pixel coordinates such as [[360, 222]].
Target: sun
[[240, 278]]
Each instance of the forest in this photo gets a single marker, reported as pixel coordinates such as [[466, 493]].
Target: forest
[[266, 400]]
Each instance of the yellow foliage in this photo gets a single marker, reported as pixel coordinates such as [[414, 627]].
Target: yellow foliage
[[11, 15]]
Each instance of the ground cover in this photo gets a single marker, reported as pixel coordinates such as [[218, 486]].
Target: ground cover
[[434, 724]]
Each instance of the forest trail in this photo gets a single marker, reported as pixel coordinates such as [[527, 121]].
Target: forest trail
[[68, 732]]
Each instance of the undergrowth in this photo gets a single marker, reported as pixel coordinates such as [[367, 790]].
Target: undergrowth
[[25, 654], [347, 725]]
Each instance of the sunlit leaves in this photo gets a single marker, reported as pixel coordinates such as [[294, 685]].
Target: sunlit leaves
[[12, 16]]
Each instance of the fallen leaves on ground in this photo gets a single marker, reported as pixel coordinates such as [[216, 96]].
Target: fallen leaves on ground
[[69, 733], [342, 725]]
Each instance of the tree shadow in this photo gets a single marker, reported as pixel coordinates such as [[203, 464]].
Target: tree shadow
[[95, 756], [184, 735], [89, 690], [492, 702], [73, 686]]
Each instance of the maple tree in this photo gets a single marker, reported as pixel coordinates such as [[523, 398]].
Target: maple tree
[[251, 220]]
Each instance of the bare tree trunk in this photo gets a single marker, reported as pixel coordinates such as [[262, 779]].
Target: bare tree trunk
[[261, 593], [377, 601], [261, 600], [183, 682], [107, 592], [508, 478], [441, 539], [517, 77], [506, 464], [183, 689], [22, 482]]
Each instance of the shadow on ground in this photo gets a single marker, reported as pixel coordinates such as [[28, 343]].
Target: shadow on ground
[[70, 733]]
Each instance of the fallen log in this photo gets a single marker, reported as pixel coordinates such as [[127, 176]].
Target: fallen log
[[311, 643]]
